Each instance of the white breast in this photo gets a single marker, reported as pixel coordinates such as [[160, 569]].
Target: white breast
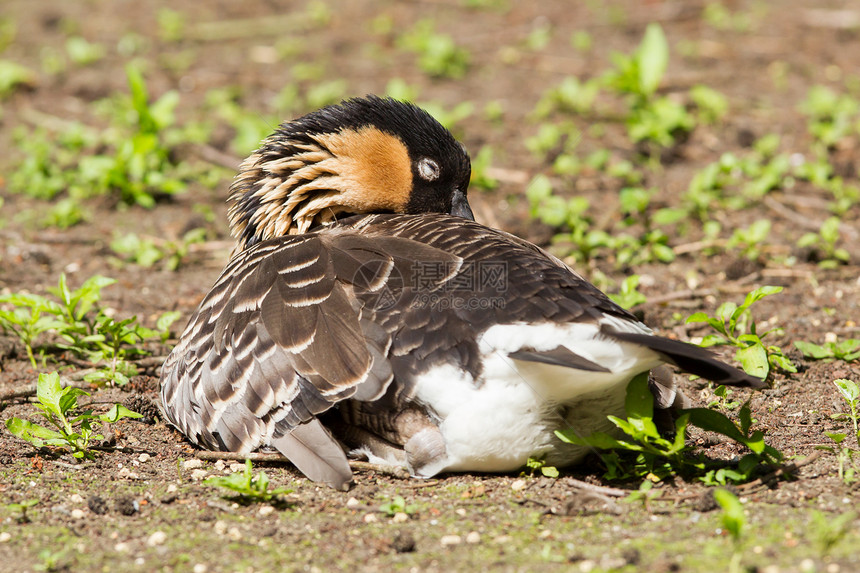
[[511, 413]]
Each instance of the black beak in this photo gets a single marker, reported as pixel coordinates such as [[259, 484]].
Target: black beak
[[460, 206]]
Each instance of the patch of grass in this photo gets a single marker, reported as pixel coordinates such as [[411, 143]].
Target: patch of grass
[[735, 327], [57, 405], [734, 521], [248, 488], [644, 452], [82, 52]]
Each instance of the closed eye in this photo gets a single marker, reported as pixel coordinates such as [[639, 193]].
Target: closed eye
[[428, 169]]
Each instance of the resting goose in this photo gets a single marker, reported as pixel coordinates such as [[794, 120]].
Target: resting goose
[[366, 312]]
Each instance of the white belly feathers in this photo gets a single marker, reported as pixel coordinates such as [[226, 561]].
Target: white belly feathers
[[511, 413]]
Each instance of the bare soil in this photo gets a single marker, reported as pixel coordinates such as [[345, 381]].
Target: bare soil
[[141, 507]]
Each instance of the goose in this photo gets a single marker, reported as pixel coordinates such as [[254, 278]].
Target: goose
[[365, 312]]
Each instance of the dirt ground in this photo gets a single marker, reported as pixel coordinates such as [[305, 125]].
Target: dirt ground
[[142, 506]]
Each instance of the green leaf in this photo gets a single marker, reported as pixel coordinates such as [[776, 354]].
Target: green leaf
[[118, 412], [848, 389], [33, 433], [713, 421], [733, 519], [813, 351], [753, 359], [653, 58]]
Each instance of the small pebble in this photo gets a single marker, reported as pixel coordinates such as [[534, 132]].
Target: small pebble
[[128, 474], [370, 518], [473, 537], [518, 485], [352, 503], [220, 465], [171, 488], [121, 547], [400, 517], [237, 467], [449, 540], [461, 512], [587, 565], [76, 498], [143, 458], [157, 538], [192, 464], [807, 565], [234, 533], [77, 514], [198, 475], [5, 536], [266, 510], [200, 568], [220, 527]]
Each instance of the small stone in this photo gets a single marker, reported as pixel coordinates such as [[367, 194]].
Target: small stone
[[77, 514], [502, 539], [198, 475], [143, 458], [157, 538], [833, 568], [76, 498], [171, 488], [587, 565], [518, 485], [5, 536], [546, 533], [237, 467], [807, 565], [220, 527], [473, 537], [352, 503], [449, 540], [370, 518], [234, 533], [200, 568], [266, 510], [400, 517], [461, 512], [127, 474], [121, 547], [220, 465], [192, 464]]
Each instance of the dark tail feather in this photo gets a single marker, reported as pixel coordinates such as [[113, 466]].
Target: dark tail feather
[[690, 358], [311, 448]]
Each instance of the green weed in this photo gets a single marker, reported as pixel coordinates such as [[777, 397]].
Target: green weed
[[643, 451], [539, 465], [734, 521], [23, 507], [12, 76], [825, 243], [847, 350], [438, 54], [57, 405], [248, 488], [735, 327], [145, 251], [80, 326], [845, 454], [396, 505]]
